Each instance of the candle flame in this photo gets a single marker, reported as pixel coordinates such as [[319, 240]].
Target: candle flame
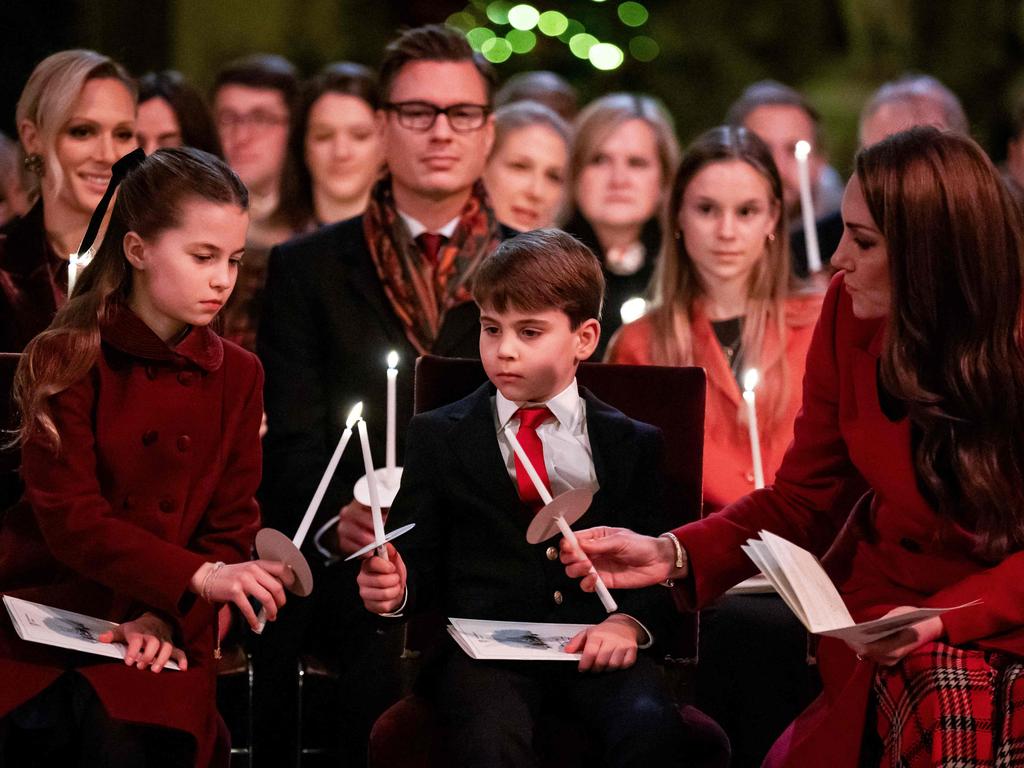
[[392, 359], [354, 415], [803, 150], [750, 379], [633, 309]]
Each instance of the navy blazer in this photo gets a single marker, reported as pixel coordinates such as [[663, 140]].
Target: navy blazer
[[468, 555]]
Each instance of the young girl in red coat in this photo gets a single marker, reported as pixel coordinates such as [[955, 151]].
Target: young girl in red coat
[[140, 455]]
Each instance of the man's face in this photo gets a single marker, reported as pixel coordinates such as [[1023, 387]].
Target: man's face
[[253, 128], [781, 126], [438, 163]]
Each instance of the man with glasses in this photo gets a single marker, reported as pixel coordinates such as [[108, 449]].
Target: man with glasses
[[337, 301]]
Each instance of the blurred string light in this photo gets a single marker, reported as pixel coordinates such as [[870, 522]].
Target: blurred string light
[[482, 21]]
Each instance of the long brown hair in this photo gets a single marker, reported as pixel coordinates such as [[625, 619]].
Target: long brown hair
[[149, 201], [677, 285], [953, 350]]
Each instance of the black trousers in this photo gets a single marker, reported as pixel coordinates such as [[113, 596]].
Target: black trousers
[[67, 725], [491, 710]]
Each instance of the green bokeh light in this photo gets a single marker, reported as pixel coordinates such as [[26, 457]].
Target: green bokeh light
[[552, 23], [462, 20], [633, 14], [523, 16], [497, 11], [581, 44], [478, 36], [572, 28], [496, 50], [606, 56], [521, 40], [644, 48]]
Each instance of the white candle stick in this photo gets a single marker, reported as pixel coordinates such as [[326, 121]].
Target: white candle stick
[[307, 520], [803, 151], [72, 273], [390, 447], [750, 381], [599, 586], [371, 482]]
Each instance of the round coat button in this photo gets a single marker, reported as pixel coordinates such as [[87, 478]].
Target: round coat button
[[166, 506], [910, 545], [557, 597], [551, 553], [150, 436], [750, 477], [184, 443], [186, 378]]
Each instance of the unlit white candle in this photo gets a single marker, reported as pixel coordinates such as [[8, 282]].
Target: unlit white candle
[[390, 447], [750, 380], [371, 485], [803, 151], [72, 273]]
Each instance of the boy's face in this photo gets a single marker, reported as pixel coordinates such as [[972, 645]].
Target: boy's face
[[532, 356]]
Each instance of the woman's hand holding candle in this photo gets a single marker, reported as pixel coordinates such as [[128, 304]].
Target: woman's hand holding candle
[[261, 579], [624, 559]]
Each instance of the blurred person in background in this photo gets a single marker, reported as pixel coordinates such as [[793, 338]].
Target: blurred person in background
[[623, 156], [75, 118], [547, 88], [15, 186], [909, 101], [526, 174], [172, 113]]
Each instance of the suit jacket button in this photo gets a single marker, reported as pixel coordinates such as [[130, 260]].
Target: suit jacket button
[[185, 378], [149, 437], [166, 506], [557, 597], [184, 443], [551, 553], [910, 545]]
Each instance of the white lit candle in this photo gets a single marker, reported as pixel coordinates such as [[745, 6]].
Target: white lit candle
[[307, 519], [750, 381], [803, 152], [632, 309], [371, 484], [390, 447]]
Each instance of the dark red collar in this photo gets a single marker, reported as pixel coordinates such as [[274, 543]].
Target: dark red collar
[[124, 330]]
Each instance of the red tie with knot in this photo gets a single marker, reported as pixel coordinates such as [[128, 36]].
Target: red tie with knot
[[529, 420], [430, 245]]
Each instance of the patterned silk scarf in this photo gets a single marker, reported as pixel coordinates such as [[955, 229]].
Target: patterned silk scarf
[[421, 292]]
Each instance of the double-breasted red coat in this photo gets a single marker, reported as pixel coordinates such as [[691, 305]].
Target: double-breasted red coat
[[158, 465], [896, 557], [728, 463]]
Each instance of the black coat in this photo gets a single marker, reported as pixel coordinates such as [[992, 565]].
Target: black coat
[[326, 329], [468, 556]]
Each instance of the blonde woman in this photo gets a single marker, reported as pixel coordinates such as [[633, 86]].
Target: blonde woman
[[624, 152], [75, 118]]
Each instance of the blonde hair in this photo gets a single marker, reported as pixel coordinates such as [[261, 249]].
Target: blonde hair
[[53, 88], [601, 118], [677, 287]]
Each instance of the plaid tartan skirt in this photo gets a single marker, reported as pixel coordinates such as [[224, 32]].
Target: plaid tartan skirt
[[948, 706]]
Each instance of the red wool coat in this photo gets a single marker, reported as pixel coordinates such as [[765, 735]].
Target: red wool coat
[[159, 462], [840, 430]]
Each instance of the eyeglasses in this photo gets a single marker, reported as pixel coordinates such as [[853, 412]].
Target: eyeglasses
[[421, 115], [258, 119]]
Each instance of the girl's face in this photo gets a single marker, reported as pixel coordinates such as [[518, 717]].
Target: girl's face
[[100, 131], [621, 184], [525, 177], [727, 213], [343, 147], [184, 275]]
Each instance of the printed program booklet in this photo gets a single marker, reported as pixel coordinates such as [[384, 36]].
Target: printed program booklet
[[800, 580], [514, 640], [65, 629]]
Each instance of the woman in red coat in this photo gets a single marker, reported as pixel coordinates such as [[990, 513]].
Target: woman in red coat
[[140, 455], [915, 379]]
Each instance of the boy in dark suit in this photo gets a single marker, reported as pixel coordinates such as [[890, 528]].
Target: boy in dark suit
[[540, 298]]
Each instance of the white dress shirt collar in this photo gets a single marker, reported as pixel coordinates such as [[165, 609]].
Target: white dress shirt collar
[[417, 228], [565, 406]]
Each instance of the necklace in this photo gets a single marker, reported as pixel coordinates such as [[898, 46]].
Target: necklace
[[729, 334]]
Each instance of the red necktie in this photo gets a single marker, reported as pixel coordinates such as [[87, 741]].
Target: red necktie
[[529, 420], [430, 245]]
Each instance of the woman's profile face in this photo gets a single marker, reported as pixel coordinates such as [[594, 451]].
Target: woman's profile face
[[620, 185], [864, 256], [727, 213], [343, 147], [525, 177]]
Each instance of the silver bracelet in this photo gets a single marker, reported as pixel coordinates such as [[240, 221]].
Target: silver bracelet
[[208, 581], [679, 556]]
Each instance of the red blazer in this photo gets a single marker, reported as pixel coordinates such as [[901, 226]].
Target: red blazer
[[840, 431], [728, 466], [159, 462]]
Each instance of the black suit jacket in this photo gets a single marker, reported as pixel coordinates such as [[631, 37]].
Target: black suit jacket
[[325, 332], [468, 555]]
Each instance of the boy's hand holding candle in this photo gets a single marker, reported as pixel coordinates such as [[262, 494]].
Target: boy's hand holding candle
[[382, 582]]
